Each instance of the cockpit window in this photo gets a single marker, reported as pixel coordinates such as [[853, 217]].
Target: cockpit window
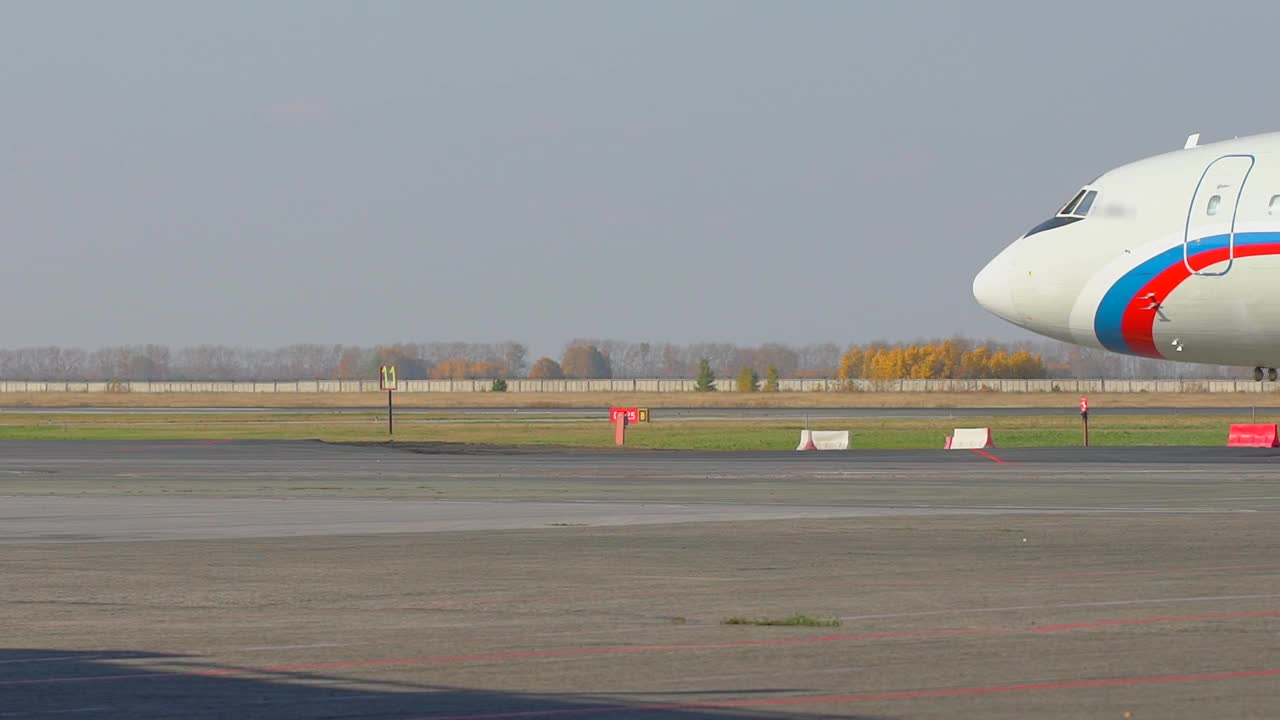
[[1072, 212], [1080, 204], [1082, 208], [1066, 209]]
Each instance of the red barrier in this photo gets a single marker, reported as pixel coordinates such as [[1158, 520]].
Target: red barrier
[[1264, 436]]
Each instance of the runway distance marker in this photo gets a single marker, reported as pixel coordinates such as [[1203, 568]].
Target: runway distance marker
[[387, 381], [387, 378], [633, 415]]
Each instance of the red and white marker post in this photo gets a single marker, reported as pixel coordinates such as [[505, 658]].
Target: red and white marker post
[[621, 420], [622, 417], [1084, 418]]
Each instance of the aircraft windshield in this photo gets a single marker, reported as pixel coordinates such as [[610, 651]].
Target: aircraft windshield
[[1074, 211], [1066, 209], [1080, 204]]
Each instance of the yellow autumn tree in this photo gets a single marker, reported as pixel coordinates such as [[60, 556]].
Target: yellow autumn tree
[[459, 369], [1025, 366], [917, 362], [546, 369], [946, 359], [974, 364], [889, 364], [582, 362], [851, 364], [998, 365], [952, 355]]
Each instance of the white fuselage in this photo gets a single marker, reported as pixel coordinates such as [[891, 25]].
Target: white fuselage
[[1176, 257]]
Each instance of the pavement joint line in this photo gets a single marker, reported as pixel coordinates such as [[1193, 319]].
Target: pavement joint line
[[69, 711], [50, 659], [634, 649], [748, 586], [306, 646], [1100, 603], [796, 700], [1206, 617]]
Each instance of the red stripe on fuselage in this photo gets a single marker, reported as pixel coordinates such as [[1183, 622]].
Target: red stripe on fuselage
[[1139, 321]]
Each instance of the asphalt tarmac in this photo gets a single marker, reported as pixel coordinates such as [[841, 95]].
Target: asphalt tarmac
[[1068, 408], [292, 580]]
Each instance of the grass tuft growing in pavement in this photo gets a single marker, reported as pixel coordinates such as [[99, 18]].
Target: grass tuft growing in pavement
[[796, 620]]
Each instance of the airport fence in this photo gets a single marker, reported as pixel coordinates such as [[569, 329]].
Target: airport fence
[[1070, 387]]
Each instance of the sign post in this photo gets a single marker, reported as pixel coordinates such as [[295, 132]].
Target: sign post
[[1084, 418], [387, 381], [620, 430], [622, 417]]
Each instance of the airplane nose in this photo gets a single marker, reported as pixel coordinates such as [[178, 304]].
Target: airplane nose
[[993, 286]]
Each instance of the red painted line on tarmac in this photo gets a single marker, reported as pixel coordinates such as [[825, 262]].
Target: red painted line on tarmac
[[1155, 620], [870, 697], [988, 456]]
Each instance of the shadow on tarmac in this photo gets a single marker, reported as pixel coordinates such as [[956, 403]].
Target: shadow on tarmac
[[56, 683]]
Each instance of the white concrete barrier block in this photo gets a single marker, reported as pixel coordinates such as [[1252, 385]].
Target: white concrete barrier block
[[824, 440], [831, 439], [970, 439]]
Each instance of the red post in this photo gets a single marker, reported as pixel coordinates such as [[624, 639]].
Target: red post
[[1084, 419], [620, 429]]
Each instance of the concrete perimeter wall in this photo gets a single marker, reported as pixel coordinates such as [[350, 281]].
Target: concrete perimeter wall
[[1083, 387]]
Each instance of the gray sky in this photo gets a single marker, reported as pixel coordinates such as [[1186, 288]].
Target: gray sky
[[265, 173]]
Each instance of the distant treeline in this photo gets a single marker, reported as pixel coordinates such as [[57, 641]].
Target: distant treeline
[[591, 358], [949, 359]]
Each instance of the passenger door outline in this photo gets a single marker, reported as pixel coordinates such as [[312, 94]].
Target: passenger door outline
[[1236, 171]]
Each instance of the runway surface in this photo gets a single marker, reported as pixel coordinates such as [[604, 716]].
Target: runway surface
[[290, 580], [1069, 408]]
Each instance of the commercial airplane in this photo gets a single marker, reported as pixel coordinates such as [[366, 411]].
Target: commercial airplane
[[1175, 257]]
